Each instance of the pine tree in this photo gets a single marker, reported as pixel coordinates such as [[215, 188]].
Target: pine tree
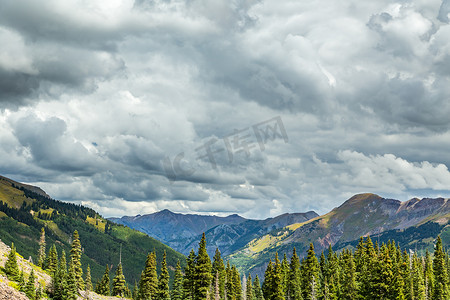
[[21, 281], [39, 292], [177, 286], [102, 287], [257, 292], [41, 254], [30, 290], [75, 258], [310, 275], [52, 259], [203, 277], [284, 273], [72, 287], [278, 281], [88, 280], [189, 273], [268, 281], [59, 279], [229, 283], [11, 266], [440, 290], [429, 276], [236, 282], [148, 284], [348, 288], [294, 290], [163, 282], [119, 283], [418, 287], [219, 267], [249, 288], [135, 293]]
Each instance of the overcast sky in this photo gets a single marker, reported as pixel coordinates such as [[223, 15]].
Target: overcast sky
[[301, 104]]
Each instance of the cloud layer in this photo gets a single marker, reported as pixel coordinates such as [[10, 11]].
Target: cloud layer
[[113, 104]]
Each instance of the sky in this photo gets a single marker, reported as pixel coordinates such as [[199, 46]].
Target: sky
[[226, 106]]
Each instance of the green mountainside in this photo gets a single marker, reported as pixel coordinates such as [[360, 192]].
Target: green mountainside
[[414, 224], [24, 210]]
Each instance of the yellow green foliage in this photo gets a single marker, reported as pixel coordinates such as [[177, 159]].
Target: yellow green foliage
[[98, 223]]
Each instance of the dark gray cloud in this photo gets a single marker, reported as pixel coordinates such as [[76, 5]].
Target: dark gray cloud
[[98, 99]]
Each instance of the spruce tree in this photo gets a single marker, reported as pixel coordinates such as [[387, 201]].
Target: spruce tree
[[348, 276], [268, 281], [236, 282], [102, 287], [219, 267], [294, 290], [284, 273], [30, 290], [229, 282], [163, 282], [41, 254], [11, 266], [189, 274], [72, 287], [119, 283], [75, 258], [88, 280], [257, 292], [278, 281], [21, 281], [310, 275], [429, 276], [59, 279], [177, 286], [135, 293], [148, 284], [249, 288], [440, 290], [52, 259], [203, 277]]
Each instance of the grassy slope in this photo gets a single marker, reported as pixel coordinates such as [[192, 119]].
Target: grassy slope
[[99, 248]]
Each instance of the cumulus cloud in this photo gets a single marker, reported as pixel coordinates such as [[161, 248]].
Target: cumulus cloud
[[111, 104]]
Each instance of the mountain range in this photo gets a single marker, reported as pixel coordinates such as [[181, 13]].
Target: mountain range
[[251, 243]]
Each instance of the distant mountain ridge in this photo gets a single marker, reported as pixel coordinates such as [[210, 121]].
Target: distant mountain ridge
[[183, 231], [361, 215]]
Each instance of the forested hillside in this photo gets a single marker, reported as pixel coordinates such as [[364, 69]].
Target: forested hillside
[[24, 211]]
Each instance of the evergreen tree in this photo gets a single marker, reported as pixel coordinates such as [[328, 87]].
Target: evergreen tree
[[429, 276], [39, 292], [41, 254], [11, 266], [229, 283], [30, 290], [348, 287], [72, 287], [249, 288], [135, 293], [203, 277], [75, 258], [148, 284], [257, 292], [177, 287], [119, 283], [267, 287], [418, 287], [294, 290], [59, 279], [440, 290], [219, 267], [102, 287], [52, 259], [284, 274], [278, 281], [236, 283], [163, 282], [310, 275], [189, 274], [88, 280], [21, 281]]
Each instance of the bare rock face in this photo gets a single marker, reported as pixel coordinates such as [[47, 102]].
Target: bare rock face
[[9, 293]]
